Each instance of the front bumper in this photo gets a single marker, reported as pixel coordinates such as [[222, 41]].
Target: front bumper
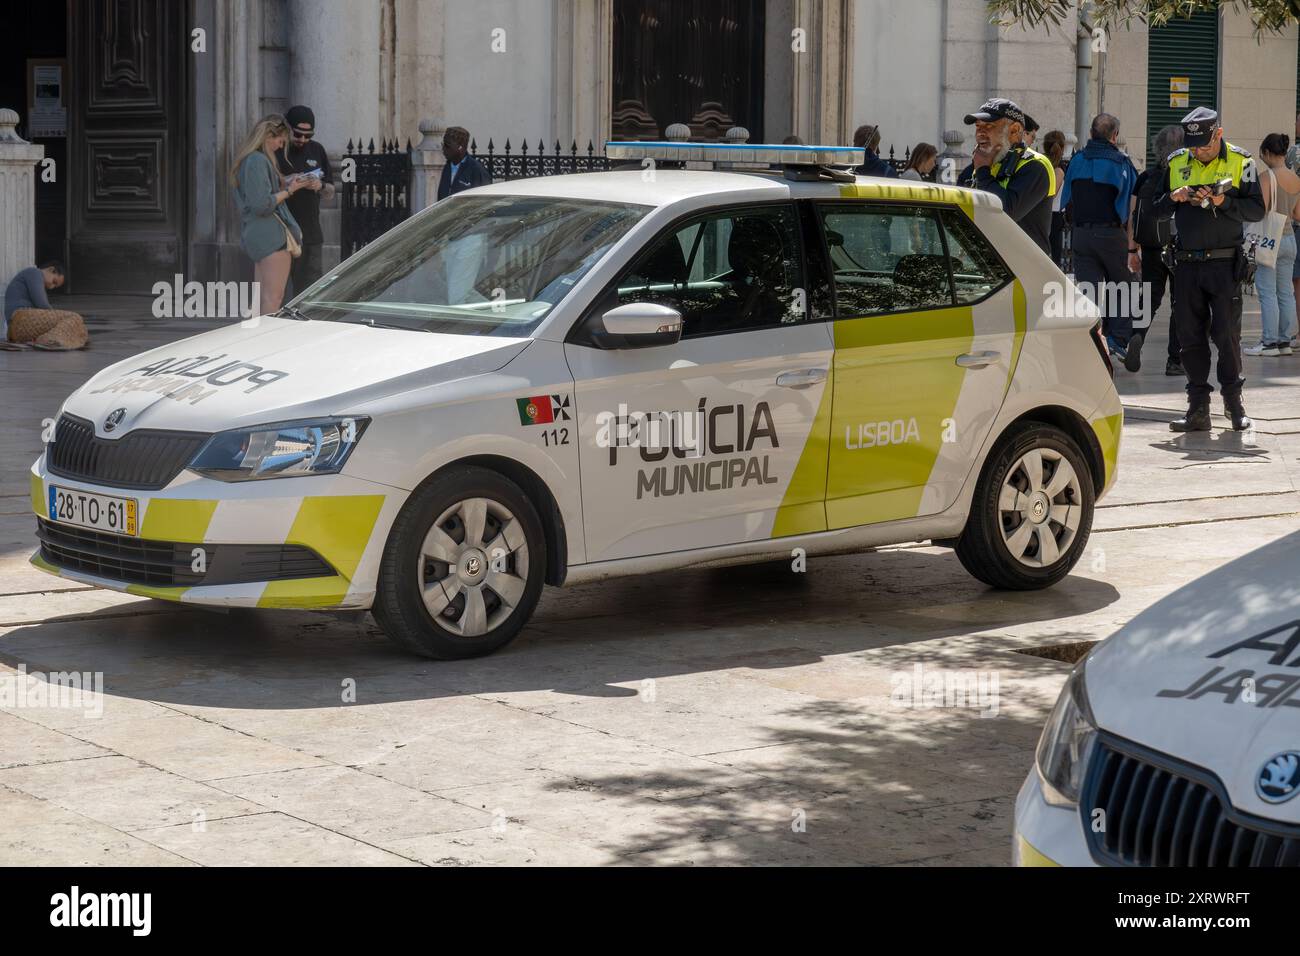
[[1046, 835], [343, 520]]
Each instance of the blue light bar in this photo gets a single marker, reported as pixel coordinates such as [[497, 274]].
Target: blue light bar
[[764, 153]]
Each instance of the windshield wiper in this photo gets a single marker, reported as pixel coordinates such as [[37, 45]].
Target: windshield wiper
[[294, 313], [382, 325]]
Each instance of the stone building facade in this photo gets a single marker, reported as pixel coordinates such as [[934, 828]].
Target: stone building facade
[[160, 93]]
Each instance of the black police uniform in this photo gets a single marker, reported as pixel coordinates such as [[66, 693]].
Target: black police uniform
[[1023, 179], [1210, 268]]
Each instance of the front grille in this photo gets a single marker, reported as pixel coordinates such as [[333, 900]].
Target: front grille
[[1162, 812], [145, 459], [169, 563]]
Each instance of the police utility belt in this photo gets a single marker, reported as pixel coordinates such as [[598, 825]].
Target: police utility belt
[[1201, 255]]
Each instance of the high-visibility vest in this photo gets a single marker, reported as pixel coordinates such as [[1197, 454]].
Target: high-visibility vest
[[1028, 156], [1186, 170]]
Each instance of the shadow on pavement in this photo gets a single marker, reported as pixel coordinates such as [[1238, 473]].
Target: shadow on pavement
[[582, 641]]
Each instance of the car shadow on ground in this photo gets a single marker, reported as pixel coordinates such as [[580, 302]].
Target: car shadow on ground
[[739, 750], [584, 641]]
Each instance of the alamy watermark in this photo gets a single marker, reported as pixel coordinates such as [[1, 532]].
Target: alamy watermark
[[70, 690], [931, 688]]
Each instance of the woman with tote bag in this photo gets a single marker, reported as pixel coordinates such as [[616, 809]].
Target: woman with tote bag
[[268, 233], [1276, 253]]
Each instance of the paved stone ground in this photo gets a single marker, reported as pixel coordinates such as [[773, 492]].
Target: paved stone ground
[[684, 718]]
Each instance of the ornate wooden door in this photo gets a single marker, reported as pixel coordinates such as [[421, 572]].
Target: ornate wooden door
[[126, 138], [687, 61]]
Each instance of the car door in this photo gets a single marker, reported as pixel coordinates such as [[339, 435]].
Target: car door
[[721, 437], [922, 360]]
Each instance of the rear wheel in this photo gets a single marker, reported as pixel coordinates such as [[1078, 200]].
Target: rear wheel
[[1032, 511], [464, 566]]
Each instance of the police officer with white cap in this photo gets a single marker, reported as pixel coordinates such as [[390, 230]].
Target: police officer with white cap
[[1212, 190]]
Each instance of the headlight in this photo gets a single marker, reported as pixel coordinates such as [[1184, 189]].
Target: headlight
[[1066, 744], [317, 447]]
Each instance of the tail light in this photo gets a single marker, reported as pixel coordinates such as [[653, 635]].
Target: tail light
[[1101, 348]]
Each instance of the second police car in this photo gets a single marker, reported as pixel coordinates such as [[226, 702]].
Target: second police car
[[1172, 742], [572, 378]]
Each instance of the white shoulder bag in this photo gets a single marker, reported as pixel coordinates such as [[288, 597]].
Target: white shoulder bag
[[1267, 233]]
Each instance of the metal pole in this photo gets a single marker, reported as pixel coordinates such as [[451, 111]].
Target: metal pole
[[1083, 72]]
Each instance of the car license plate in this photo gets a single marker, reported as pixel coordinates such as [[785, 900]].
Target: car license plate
[[86, 510]]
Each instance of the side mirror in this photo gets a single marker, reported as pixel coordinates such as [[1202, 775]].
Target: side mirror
[[639, 325]]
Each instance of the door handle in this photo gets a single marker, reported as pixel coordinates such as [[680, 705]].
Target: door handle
[[801, 378], [978, 359]]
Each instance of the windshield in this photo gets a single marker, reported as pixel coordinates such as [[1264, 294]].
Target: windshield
[[494, 265]]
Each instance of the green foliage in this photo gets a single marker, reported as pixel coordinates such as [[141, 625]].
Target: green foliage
[[1269, 16]]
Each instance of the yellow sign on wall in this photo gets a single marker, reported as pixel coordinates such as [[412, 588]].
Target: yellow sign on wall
[[1178, 101]]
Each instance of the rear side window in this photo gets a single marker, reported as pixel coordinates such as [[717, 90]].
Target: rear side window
[[976, 269], [885, 258], [726, 272]]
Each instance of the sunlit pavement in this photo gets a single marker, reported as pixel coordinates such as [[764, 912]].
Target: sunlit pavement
[[732, 716]]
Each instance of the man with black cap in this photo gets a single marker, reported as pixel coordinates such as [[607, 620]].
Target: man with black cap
[[303, 155], [1003, 165], [1213, 189]]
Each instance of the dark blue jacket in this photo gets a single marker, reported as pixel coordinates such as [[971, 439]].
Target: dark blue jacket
[[1104, 164], [469, 173], [875, 166]]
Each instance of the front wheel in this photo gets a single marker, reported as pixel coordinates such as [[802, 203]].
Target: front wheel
[[464, 566], [1032, 510]]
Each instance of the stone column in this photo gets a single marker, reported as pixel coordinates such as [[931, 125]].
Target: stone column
[[823, 74], [954, 157], [18, 159], [336, 68], [427, 162], [584, 71]]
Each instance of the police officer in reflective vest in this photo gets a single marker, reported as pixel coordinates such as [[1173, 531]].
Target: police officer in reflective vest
[[1003, 165], [1213, 189]]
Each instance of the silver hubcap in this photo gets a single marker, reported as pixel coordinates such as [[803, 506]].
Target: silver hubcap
[[473, 567], [1039, 508]]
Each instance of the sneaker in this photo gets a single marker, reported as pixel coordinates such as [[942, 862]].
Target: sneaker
[[1133, 354], [1284, 348], [1260, 348], [1117, 352], [1174, 367]]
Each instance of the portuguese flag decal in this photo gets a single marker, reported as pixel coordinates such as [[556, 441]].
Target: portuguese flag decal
[[535, 411]]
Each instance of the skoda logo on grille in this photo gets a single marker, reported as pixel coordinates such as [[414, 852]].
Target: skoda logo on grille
[[1279, 778], [114, 419]]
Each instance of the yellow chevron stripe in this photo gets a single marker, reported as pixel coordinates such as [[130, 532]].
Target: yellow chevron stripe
[[873, 355], [803, 508], [1107, 430], [1030, 855], [177, 519], [337, 527]]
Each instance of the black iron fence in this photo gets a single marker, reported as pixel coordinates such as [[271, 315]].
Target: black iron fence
[[525, 163], [378, 196]]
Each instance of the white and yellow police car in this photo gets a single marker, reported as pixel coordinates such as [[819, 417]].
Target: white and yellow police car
[[1172, 743], [571, 378]]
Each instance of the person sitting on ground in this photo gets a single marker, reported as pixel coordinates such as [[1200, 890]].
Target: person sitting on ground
[[29, 317]]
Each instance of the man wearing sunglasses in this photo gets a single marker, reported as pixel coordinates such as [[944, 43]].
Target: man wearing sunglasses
[[301, 155]]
